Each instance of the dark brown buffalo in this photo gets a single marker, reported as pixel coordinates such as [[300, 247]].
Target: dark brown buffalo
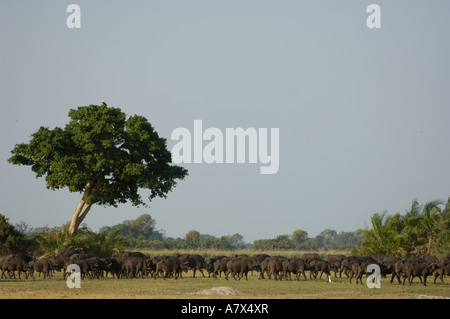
[[240, 266], [170, 266], [220, 266], [275, 267], [335, 263], [420, 270], [13, 263], [43, 265], [194, 262], [294, 266], [322, 266]]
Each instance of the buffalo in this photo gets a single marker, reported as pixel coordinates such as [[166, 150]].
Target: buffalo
[[43, 265], [321, 266], [275, 267], [194, 262], [335, 263], [13, 263], [294, 266], [420, 270], [135, 266], [170, 266], [220, 266], [240, 266], [443, 270], [209, 265]]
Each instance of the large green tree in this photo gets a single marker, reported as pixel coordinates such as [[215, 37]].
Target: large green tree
[[299, 236], [142, 227], [102, 154]]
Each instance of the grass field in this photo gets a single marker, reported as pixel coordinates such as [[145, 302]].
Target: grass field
[[188, 288]]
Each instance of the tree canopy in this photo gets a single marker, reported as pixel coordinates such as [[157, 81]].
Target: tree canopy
[[102, 154], [143, 227]]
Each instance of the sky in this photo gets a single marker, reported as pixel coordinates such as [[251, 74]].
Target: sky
[[363, 113]]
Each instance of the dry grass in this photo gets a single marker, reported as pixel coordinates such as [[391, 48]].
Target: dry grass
[[188, 288]]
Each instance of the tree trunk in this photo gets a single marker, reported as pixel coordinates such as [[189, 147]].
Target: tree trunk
[[81, 211]]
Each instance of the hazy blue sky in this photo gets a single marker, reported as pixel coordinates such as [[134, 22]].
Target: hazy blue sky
[[363, 114]]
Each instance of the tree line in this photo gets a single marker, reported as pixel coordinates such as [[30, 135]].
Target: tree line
[[142, 233], [424, 229]]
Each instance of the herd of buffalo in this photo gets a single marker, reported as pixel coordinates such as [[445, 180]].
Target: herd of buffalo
[[138, 265]]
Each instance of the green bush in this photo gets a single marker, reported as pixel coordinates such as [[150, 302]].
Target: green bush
[[11, 240], [99, 244]]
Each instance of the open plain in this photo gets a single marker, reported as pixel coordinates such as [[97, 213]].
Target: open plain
[[194, 288]]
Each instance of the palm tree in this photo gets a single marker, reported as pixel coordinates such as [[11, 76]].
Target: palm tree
[[383, 238], [421, 226], [442, 245], [423, 230]]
